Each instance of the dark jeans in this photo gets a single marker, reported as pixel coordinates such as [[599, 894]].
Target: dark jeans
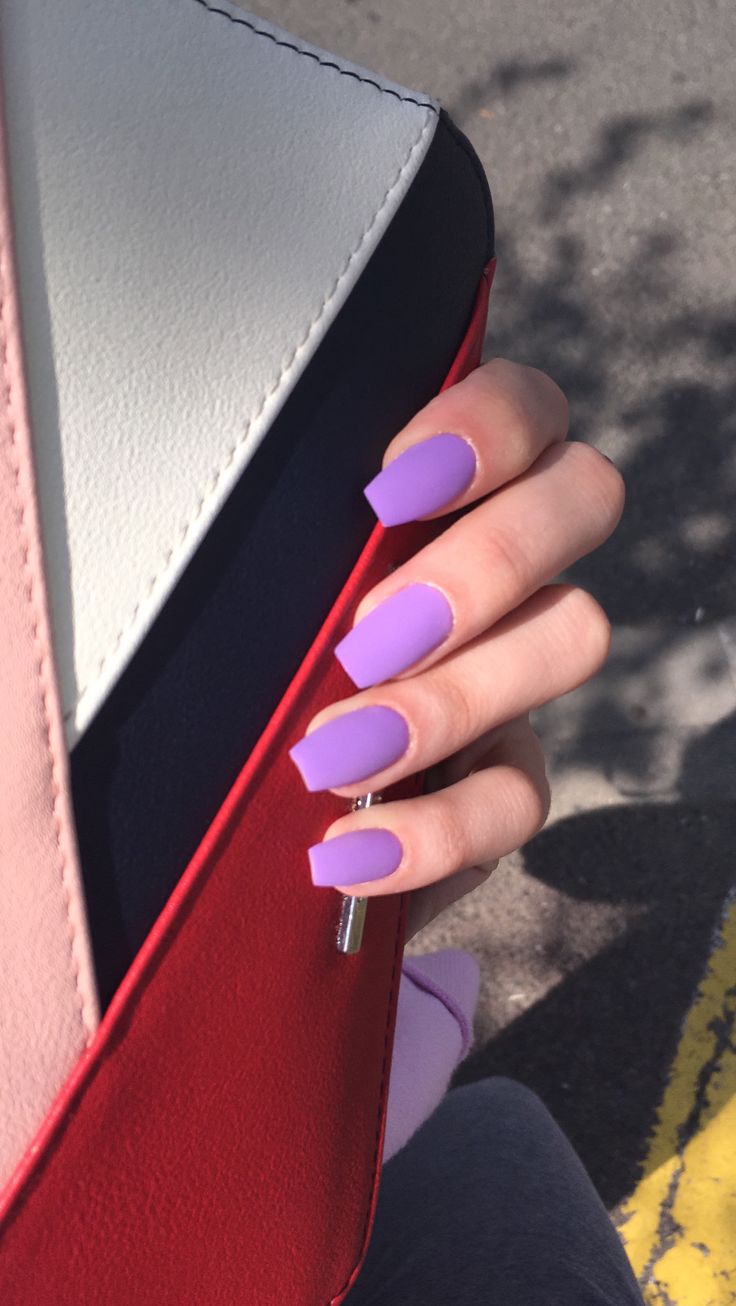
[[489, 1204]]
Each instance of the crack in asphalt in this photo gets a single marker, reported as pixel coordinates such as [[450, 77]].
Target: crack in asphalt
[[722, 1026], [668, 1231]]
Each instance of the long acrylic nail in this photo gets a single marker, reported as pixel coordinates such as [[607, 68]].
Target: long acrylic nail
[[396, 634], [355, 857], [351, 747], [423, 478]]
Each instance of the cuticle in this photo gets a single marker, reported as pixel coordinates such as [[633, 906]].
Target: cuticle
[[476, 455], [440, 589]]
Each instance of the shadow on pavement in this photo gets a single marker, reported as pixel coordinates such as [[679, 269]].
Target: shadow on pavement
[[598, 1048], [506, 78], [649, 379]]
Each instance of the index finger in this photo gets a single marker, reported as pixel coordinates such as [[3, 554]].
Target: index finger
[[468, 441]]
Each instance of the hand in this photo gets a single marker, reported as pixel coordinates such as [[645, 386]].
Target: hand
[[449, 669]]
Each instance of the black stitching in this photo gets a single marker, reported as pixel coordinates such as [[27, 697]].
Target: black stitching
[[309, 54]]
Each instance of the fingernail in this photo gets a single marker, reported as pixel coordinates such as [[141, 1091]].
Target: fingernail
[[355, 857], [350, 747], [423, 478], [397, 633]]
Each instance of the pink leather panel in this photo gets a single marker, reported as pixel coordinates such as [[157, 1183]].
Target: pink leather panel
[[48, 1003]]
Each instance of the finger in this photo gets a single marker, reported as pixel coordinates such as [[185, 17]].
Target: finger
[[505, 414], [516, 744], [488, 748], [480, 819], [484, 565], [550, 645]]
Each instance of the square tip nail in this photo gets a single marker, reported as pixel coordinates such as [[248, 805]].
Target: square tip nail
[[424, 478]]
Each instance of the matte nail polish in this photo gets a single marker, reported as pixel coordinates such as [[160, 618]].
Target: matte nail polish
[[355, 857], [423, 478], [351, 747], [396, 634]]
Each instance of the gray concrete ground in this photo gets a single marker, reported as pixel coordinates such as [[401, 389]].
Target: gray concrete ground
[[606, 129]]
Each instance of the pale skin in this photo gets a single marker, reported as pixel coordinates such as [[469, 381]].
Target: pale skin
[[517, 641]]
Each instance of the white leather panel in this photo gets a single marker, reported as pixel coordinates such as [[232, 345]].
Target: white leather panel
[[193, 201]]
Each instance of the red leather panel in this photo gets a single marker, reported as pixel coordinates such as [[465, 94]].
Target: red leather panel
[[220, 1141]]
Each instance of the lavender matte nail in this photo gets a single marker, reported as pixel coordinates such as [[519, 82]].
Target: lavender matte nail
[[422, 479], [355, 857], [350, 747], [397, 633]]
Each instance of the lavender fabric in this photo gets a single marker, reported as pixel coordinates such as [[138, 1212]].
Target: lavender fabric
[[438, 994]]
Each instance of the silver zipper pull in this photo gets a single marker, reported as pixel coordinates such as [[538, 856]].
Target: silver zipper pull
[[352, 911]]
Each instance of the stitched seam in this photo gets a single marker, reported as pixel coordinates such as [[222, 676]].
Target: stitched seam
[[381, 1098], [311, 54], [172, 554], [42, 662]]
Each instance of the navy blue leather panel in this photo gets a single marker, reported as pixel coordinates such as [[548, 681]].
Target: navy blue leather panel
[[158, 760]]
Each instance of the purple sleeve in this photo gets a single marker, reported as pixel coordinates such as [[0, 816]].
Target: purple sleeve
[[434, 1032]]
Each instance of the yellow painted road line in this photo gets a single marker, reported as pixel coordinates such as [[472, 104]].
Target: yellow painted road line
[[679, 1226]]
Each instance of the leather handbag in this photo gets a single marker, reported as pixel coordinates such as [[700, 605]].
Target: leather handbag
[[232, 266]]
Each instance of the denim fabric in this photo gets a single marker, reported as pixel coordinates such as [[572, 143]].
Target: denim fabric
[[488, 1205]]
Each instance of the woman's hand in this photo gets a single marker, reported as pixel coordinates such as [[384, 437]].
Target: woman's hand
[[449, 669]]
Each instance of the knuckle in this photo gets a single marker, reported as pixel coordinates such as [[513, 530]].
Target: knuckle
[[538, 771], [554, 399], [493, 398], [560, 401], [545, 800], [499, 374], [508, 564], [451, 837], [484, 871], [507, 386], [457, 717], [605, 490], [590, 629], [531, 798], [526, 392]]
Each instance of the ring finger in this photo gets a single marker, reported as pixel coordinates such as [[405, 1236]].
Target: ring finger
[[515, 744], [437, 837]]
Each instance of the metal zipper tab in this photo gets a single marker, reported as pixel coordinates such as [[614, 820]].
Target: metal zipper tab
[[353, 910]]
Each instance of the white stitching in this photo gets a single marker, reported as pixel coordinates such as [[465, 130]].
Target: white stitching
[[185, 529]]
